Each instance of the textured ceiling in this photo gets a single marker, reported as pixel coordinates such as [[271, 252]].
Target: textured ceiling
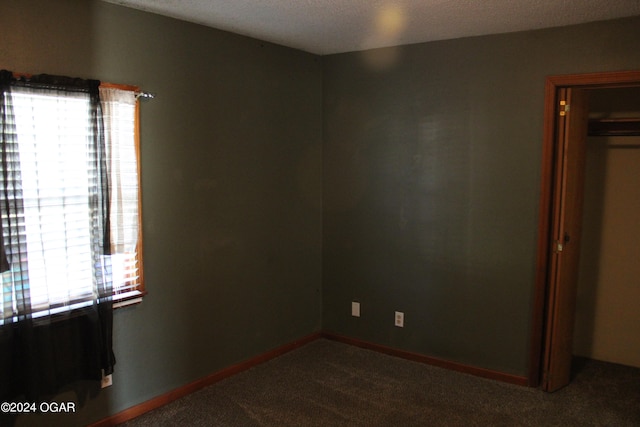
[[333, 26]]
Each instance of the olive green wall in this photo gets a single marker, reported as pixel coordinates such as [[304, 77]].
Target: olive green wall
[[431, 171], [231, 181]]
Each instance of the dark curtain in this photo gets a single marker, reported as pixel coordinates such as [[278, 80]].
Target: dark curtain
[[40, 355]]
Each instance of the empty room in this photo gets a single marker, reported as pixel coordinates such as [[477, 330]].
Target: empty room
[[340, 212]]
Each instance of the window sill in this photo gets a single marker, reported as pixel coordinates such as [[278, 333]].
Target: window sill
[[59, 313]]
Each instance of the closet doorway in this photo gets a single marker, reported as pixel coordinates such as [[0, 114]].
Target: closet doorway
[[566, 127], [607, 322]]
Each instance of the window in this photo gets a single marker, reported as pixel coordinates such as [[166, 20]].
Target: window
[[50, 162]]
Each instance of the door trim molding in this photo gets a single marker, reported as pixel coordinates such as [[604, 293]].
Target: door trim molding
[[543, 252]]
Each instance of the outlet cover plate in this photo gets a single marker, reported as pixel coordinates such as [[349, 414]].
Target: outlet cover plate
[[355, 309], [399, 319]]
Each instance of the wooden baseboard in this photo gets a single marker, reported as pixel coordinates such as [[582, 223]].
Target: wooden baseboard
[[169, 397], [442, 363]]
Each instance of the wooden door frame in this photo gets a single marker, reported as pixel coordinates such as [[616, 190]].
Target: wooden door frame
[[542, 298]]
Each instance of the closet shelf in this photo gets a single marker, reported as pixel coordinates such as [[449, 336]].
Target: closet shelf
[[614, 127]]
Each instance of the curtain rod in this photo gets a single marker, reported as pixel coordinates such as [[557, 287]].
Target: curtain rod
[[135, 89], [145, 95]]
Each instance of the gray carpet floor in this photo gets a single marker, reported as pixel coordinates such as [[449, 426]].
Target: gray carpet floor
[[326, 383]]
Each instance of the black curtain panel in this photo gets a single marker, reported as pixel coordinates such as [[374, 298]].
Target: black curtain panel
[[46, 342]]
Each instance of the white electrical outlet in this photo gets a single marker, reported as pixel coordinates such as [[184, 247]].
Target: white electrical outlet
[[107, 380], [399, 319], [355, 309]]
